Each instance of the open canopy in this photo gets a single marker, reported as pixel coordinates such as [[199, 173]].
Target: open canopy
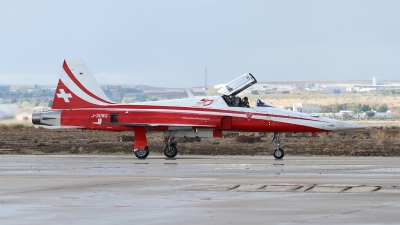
[[238, 85]]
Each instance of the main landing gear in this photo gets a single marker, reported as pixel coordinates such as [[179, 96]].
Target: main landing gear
[[278, 152], [142, 153], [170, 150]]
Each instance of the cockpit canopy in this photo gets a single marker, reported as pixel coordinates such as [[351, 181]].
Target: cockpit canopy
[[238, 85]]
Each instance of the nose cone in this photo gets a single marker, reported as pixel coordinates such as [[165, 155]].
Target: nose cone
[[340, 125]]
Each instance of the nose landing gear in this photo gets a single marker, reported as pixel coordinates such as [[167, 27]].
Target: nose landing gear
[[170, 149], [278, 152]]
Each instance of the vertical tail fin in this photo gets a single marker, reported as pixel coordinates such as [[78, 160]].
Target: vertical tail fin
[[77, 88]]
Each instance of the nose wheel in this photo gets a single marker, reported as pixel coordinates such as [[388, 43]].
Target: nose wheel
[[142, 153], [278, 152], [170, 149]]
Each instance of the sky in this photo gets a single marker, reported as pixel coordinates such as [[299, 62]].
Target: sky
[[168, 43]]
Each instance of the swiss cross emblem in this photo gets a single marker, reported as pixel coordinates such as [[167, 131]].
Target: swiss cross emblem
[[206, 102], [65, 96], [249, 115]]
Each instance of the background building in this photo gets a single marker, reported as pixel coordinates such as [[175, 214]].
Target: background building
[[305, 108]]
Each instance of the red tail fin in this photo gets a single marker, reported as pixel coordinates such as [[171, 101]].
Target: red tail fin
[[77, 88]]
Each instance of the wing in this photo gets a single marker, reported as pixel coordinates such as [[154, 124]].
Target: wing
[[157, 125]]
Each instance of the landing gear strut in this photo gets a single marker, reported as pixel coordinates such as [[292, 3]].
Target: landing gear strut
[[278, 152], [140, 143], [142, 153], [170, 149]]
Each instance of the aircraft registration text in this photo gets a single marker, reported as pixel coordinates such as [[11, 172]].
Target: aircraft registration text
[[99, 115]]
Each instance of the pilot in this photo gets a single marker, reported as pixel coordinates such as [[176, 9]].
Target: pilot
[[245, 102]]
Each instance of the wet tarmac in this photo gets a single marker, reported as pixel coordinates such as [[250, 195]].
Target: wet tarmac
[[199, 190]]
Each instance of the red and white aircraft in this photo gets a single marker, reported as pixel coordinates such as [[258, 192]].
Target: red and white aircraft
[[80, 103]]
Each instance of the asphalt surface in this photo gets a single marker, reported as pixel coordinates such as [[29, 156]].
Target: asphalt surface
[[199, 190]]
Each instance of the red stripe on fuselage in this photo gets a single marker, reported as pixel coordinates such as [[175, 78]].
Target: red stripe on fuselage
[[189, 110], [175, 115], [88, 118]]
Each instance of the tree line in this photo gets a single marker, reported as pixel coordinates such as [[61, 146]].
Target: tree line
[[27, 92], [356, 107]]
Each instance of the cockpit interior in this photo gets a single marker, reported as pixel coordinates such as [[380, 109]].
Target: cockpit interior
[[230, 91]]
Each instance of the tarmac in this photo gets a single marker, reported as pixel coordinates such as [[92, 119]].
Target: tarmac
[[36, 189]]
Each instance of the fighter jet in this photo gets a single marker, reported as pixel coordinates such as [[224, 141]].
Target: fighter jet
[[80, 103]]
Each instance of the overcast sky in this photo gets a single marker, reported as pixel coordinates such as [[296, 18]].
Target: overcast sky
[[160, 42]]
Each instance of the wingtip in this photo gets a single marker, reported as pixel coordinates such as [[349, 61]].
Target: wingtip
[[190, 94]]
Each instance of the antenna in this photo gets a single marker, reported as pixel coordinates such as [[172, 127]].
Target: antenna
[[205, 84]]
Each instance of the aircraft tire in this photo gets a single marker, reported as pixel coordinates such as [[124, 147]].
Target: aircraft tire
[[170, 151], [142, 153], [279, 153]]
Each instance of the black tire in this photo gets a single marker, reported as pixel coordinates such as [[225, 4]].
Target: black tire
[[170, 150], [142, 153], [279, 153]]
